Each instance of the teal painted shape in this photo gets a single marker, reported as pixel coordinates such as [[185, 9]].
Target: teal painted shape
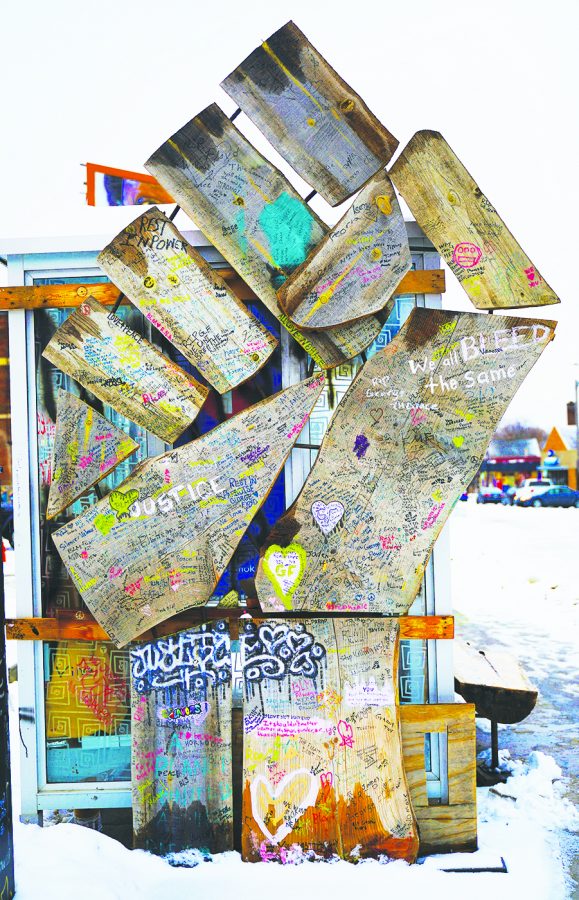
[[287, 224]]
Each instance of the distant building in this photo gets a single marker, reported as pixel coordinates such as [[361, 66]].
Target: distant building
[[510, 462], [559, 456]]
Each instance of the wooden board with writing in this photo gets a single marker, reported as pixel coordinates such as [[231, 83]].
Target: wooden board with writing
[[253, 216], [465, 227], [322, 763], [181, 741], [86, 448], [122, 369], [177, 291], [310, 115], [356, 268], [405, 441], [159, 543]]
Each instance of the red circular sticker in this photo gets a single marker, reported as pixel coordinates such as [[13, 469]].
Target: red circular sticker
[[466, 255], [85, 309]]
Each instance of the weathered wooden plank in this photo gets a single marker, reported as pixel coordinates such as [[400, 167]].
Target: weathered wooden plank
[[451, 826], [86, 448], [465, 227], [322, 752], [82, 626], [312, 117], [494, 681], [122, 369], [406, 440], [177, 291], [181, 741], [63, 296], [253, 216], [159, 543], [355, 270]]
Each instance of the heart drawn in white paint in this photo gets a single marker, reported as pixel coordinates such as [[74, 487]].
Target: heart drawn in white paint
[[327, 516], [298, 808]]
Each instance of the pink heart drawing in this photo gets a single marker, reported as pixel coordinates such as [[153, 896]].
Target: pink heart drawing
[[327, 516]]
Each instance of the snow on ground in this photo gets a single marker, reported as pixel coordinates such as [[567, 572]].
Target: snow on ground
[[514, 583]]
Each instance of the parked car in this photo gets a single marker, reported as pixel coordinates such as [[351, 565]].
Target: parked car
[[532, 486], [489, 494], [508, 497], [560, 495]]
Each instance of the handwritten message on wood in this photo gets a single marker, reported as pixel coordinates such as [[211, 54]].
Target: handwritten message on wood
[[181, 741], [178, 292], [404, 443], [356, 268], [86, 448], [322, 764], [159, 543], [253, 216], [312, 117], [122, 369], [466, 228]]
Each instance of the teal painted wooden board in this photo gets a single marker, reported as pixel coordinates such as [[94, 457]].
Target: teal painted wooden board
[[253, 216]]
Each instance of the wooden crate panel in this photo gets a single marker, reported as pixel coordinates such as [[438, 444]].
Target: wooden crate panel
[[322, 754], [406, 440], [86, 448], [253, 216], [177, 291], [159, 543], [452, 826], [312, 117], [356, 268], [181, 741], [465, 227], [122, 369]]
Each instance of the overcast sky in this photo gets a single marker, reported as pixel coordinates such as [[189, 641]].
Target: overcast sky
[[108, 82]]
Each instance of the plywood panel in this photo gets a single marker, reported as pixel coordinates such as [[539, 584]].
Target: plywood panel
[[356, 268], [122, 369], [181, 741], [159, 543], [86, 448], [177, 291], [322, 754], [252, 215], [465, 227], [404, 443], [311, 116]]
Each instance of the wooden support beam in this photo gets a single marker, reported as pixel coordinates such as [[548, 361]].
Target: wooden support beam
[[60, 296], [76, 625]]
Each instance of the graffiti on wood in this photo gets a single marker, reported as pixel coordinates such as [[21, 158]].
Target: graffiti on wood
[[356, 268], [322, 763], [177, 291], [181, 741], [86, 448], [159, 543], [465, 227], [310, 115], [253, 216], [121, 368], [406, 440]]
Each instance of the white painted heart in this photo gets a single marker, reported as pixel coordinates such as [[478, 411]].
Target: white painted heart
[[308, 799], [327, 516]]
